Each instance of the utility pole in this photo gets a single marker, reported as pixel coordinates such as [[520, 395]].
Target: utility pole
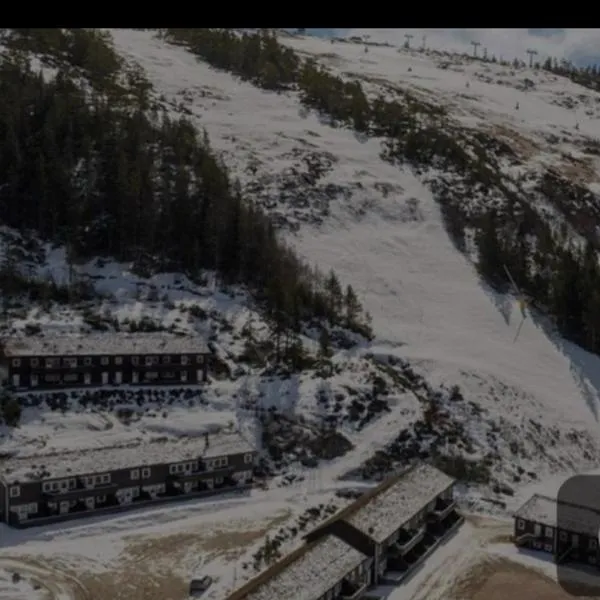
[[531, 53], [424, 43], [475, 45], [408, 37]]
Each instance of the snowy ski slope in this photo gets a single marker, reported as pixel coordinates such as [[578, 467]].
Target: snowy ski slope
[[426, 300], [382, 232]]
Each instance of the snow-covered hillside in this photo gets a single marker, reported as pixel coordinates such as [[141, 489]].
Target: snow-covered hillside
[[383, 232], [525, 407]]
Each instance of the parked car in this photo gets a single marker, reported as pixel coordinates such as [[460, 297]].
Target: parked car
[[199, 586]]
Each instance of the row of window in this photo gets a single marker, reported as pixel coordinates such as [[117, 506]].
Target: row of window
[[25, 509], [72, 361], [563, 536], [135, 473], [65, 485], [124, 495]]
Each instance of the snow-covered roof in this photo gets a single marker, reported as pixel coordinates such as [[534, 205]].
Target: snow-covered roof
[[317, 567], [386, 512], [98, 460], [544, 510], [106, 343]]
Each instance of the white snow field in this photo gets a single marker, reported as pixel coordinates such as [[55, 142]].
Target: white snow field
[[426, 301], [382, 232]]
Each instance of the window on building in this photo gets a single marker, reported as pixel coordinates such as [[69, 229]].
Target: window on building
[[15, 491], [105, 478], [135, 473], [199, 359], [35, 362], [72, 484], [562, 536], [520, 524], [593, 544], [87, 361], [104, 360], [46, 486], [118, 360], [184, 360], [172, 469], [549, 532], [135, 360], [146, 473], [218, 480], [248, 458], [50, 363], [149, 362], [166, 359], [16, 362], [100, 498]]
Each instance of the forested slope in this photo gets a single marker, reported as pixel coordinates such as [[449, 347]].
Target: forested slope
[[96, 164], [459, 164]]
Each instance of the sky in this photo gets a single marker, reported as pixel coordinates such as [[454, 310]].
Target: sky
[[581, 46]]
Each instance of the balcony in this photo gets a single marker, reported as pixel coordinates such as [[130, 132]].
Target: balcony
[[443, 508], [408, 539], [352, 590], [80, 489]]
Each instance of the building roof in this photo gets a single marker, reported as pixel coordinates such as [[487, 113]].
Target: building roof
[[393, 502], [105, 343], [98, 460], [544, 510], [391, 508], [306, 574]]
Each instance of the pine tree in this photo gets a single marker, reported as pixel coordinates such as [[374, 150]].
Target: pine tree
[[334, 296], [325, 350], [352, 307]]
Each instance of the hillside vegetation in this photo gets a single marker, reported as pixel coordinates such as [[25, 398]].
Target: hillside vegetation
[[561, 278], [95, 164]]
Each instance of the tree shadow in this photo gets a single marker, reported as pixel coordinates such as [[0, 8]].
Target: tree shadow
[[501, 299], [583, 365]]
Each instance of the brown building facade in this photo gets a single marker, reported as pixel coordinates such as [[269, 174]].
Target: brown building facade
[[378, 539], [38, 490], [572, 540], [104, 360]]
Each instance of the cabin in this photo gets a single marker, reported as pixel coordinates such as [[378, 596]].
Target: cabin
[[398, 522], [36, 490], [39, 363], [378, 539], [571, 538], [321, 570]]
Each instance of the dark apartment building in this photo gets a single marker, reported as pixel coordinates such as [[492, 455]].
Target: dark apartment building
[[32, 363], [571, 539], [42, 489], [378, 539]]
